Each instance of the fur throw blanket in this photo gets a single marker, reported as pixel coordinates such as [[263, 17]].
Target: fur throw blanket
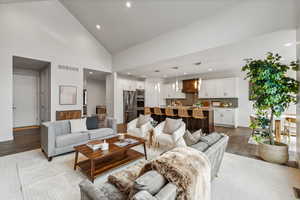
[[188, 169]]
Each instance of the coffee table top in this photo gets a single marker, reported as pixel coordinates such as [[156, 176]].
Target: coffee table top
[[89, 153]]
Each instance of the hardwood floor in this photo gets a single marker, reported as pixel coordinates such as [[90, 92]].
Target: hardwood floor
[[24, 140]]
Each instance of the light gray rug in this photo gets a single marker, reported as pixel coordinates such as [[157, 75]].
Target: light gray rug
[[29, 176]]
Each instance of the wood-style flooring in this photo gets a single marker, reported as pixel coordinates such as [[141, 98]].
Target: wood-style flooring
[[26, 140]]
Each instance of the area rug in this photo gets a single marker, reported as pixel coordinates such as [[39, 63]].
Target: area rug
[[29, 176]]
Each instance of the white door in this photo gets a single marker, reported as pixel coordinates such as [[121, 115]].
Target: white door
[[25, 98]]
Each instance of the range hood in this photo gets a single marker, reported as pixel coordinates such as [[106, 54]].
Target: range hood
[[190, 86]]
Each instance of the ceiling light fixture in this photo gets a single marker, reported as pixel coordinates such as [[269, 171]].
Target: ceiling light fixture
[[128, 4], [98, 26], [288, 44], [210, 69], [184, 73], [128, 73], [91, 72]]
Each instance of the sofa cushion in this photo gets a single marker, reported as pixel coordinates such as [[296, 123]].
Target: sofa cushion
[[61, 127], [168, 192], [71, 139], [171, 125], [201, 146], [143, 119], [78, 125], [91, 123], [143, 195], [151, 182], [211, 138], [100, 133]]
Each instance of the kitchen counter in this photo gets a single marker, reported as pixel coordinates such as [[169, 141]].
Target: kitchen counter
[[207, 125]]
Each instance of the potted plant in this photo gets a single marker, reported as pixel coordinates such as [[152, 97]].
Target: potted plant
[[272, 91]]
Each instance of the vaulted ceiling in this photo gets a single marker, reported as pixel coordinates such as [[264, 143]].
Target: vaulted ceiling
[[123, 27]]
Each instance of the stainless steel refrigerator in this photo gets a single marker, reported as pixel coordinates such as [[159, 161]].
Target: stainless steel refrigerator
[[130, 105]]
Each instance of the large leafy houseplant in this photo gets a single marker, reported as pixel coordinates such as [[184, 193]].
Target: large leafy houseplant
[[272, 92]]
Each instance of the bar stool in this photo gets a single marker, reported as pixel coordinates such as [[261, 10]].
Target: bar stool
[[197, 114], [170, 113], [147, 111], [183, 113], [158, 113]]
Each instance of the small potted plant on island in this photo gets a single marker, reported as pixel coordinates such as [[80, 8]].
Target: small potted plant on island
[[272, 91]]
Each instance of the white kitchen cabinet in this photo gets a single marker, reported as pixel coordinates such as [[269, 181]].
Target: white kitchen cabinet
[[219, 88], [226, 116], [169, 91]]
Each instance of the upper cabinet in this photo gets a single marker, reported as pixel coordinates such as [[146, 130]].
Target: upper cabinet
[[169, 91], [219, 88]]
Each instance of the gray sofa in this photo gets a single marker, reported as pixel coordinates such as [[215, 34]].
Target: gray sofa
[[56, 137], [150, 186]]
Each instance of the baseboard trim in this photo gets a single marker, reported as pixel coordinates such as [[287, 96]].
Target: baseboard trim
[[26, 128]]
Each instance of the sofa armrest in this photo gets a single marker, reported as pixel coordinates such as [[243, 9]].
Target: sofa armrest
[[159, 128], [89, 192], [145, 128], [168, 192], [48, 139], [132, 124], [179, 133], [215, 154], [112, 123]]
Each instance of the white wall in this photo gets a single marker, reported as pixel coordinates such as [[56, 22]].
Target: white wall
[[96, 94], [245, 20], [38, 30], [297, 7]]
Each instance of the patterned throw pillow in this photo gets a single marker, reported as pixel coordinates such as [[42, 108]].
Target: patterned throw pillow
[[189, 138]]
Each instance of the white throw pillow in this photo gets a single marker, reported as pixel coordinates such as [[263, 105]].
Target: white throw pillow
[[78, 125]]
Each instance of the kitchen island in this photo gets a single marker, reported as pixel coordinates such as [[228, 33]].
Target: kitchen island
[[207, 125]]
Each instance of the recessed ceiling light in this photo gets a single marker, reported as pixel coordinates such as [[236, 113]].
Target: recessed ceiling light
[[184, 73], [288, 44], [98, 26], [128, 4], [128, 73], [91, 72], [210, 69]]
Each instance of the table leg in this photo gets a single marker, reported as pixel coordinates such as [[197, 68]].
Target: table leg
[[76, 160], [278, 130], [145, 151], [92, 170]]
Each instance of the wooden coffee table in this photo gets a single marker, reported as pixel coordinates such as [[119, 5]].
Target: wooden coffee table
[[100, 161]]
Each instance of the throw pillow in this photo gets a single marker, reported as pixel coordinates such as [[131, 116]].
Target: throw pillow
[[91, 123], [197, 135], [171, 125], [143, 119], [78, 125], [189, 138]]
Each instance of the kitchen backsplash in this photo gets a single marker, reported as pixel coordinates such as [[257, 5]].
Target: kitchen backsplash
[[193, 99]]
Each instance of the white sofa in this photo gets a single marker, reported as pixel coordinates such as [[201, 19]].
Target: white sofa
[[173, 140], [142, 132]]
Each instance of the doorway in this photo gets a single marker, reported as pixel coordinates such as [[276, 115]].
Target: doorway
[[31, 92]]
